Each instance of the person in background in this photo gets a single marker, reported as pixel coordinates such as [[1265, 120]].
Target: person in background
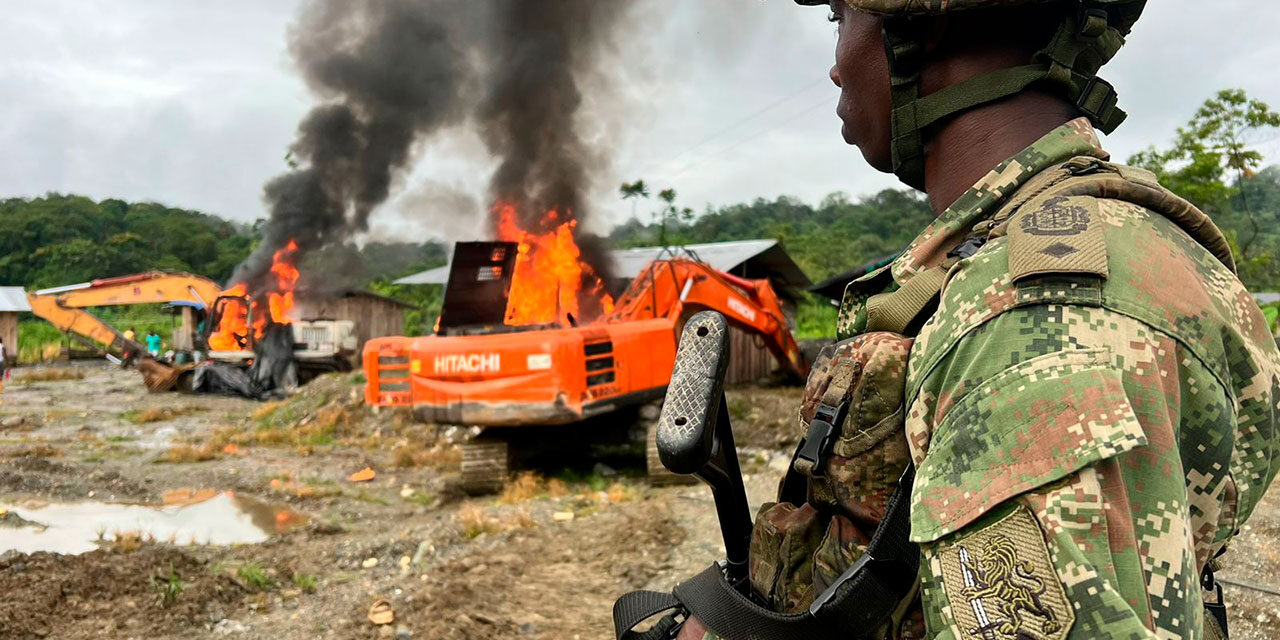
[[130, 334], [153, 344], [4, 363]]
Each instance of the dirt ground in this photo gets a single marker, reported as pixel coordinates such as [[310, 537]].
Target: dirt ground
[[543, 560]]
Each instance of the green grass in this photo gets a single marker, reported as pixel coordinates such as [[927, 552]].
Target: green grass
[[816, 317], [305, 581], [168, 588], [364, 496], [35, 334], [255, 576], [422, 498]]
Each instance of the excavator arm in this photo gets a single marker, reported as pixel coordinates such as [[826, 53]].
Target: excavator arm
[[65, 308], [679, 287]]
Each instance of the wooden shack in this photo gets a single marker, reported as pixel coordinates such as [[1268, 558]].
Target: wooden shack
[[374, 316], [13, 301]]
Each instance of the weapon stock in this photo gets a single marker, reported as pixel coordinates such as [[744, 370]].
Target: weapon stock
[[695, 436]]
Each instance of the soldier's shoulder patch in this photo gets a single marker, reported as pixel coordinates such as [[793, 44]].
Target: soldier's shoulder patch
[[1057, 235], [1001, 583]]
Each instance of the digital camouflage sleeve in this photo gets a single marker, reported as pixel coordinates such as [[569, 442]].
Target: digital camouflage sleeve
[[1084, 444]]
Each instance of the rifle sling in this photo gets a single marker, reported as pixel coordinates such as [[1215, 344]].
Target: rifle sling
[[860, 602]]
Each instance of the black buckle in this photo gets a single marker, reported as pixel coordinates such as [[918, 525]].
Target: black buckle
[[889, 573], [1218, 610], [1100, 111], [821, 437], [1091, 20]]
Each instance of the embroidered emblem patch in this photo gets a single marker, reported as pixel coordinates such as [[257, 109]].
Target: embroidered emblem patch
[[1056, 219], [1001, 583]]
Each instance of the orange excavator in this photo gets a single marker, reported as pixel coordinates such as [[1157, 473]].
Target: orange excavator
[[66, 309], [319, 346], [507, 380]]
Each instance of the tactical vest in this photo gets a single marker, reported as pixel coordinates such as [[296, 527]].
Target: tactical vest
[[831, 558]]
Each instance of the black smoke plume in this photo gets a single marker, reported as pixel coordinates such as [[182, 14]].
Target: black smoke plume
[[391, 72], [395, 72]]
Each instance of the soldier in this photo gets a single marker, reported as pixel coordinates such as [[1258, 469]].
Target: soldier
[[1085, 389]]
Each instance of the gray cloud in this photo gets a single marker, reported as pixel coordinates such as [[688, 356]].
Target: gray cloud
[[195, 105]]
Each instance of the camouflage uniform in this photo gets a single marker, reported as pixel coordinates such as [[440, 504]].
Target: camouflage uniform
[[1084, 445], [1089, 428]]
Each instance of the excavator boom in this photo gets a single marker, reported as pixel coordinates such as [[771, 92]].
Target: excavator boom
[[65, 308]]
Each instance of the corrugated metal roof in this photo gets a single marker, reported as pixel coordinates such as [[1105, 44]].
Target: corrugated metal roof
[[767, 258], [13, 299], [438, 275]]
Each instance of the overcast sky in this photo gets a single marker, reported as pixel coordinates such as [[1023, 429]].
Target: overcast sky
[[193, 104]]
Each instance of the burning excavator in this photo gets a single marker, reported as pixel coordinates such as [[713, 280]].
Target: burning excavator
[[529, 337], [234, 324]]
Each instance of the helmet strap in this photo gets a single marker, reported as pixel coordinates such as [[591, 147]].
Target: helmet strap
[[1084, 40]]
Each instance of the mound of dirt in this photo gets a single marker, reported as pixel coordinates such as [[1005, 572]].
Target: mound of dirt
[[154, 590]]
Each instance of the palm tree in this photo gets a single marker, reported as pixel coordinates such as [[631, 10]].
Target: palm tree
[[668, 196], [637, 189]]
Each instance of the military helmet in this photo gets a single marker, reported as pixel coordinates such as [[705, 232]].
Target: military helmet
[[1090, 34]]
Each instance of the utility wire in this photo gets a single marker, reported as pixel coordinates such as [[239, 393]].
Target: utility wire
[[737, 123], [770, 129]]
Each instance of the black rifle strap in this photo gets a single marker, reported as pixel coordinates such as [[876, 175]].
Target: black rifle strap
[[638, 606], [861, 601]]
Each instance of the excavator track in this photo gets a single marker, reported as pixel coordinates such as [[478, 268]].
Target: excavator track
[[485, 463]]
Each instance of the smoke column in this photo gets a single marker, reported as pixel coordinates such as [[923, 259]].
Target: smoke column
[[391, 72], [528, 115], [395, 72]]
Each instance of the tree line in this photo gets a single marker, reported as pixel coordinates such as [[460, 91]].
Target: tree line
[[1213, 161]]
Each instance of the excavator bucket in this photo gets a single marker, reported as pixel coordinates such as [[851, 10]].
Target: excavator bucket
[[161, 377]]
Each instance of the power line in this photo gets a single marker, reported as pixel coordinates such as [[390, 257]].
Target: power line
[[736, 123], [770, 129]]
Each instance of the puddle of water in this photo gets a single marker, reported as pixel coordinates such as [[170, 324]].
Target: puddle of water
[[187, 517]]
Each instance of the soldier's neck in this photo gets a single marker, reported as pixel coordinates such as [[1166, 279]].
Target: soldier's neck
[[971, 144]]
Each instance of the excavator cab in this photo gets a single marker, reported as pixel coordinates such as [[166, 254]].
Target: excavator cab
[[243, 341]]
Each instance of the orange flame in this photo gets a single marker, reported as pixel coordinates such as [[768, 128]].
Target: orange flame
[[234, 325], [547, 286]]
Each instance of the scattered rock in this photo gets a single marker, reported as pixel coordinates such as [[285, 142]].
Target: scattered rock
[[403, 632], [603, 470], [327, 528], [424, 549], [12, 421], [385, 631], [227, 626], [562, 516], [369, 563], [483, 619]]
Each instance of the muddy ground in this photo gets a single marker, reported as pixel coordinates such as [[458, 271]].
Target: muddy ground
[[543, 560]]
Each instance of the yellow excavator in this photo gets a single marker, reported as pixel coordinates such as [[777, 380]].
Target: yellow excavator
[[320, 346], [66, 309]]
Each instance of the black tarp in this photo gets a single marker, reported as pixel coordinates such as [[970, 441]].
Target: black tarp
[[274, 372]]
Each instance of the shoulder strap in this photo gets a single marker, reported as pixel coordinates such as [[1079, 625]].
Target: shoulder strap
[[860, 601]]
